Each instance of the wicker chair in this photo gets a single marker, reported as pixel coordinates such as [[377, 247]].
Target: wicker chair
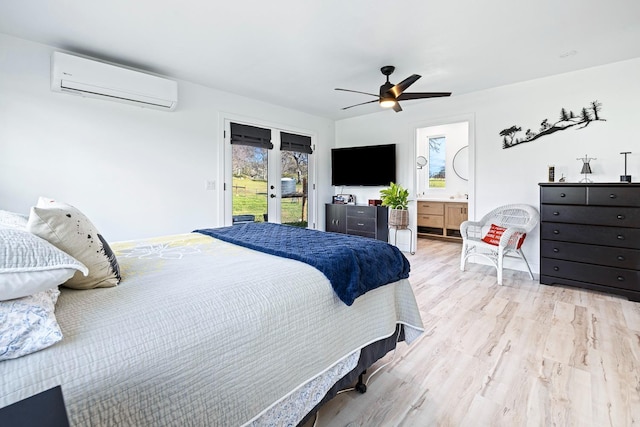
[[516, 220]]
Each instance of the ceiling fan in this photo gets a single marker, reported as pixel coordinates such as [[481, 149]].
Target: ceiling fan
[[390, 94]]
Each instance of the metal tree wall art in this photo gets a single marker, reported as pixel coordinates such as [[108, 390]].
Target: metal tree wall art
[[567, 120]]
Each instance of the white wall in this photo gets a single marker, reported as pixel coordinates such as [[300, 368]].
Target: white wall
[[512, 175], [134, 172]]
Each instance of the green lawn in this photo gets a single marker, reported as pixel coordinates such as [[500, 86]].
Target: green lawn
[[250, 197], [436, 182]]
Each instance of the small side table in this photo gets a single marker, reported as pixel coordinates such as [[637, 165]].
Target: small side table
[[395, 237]]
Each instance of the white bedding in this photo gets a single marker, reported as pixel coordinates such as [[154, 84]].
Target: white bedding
[[201, 332]]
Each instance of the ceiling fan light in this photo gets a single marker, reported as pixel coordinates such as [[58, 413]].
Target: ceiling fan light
[[387, 102]]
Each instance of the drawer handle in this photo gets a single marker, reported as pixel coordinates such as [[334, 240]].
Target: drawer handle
[[360, 224], [563, 195], [556, 231], [620, 216], [620, 258], [556, 268], [556, 213], [620, 237], [620, 279], [556, 250], [612, 196], [360, 212]]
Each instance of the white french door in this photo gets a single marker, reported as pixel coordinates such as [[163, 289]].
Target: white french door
[[266, 175]]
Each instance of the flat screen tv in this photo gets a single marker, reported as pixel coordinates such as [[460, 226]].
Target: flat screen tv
[[372, 165]]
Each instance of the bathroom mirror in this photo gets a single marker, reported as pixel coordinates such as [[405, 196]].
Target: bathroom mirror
[[461, 163], [421, 161]]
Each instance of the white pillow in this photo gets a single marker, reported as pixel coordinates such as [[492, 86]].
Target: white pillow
[[68, 229], [29, 264], [13, 220], [28, 324]]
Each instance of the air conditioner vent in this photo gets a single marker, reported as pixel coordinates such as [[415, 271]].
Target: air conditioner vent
[[94, 79]]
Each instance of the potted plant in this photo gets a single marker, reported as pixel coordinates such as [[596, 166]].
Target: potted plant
[[396, 198]]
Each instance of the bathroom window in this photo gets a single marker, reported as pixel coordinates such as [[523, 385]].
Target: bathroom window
[[437, 162]]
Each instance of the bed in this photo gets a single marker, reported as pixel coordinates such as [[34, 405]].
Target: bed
[[203, 331]]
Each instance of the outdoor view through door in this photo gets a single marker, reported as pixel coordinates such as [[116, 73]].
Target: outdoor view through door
[[259, 192]]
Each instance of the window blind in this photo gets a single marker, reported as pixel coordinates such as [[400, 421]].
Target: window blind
[[251, 135], [293, 142]]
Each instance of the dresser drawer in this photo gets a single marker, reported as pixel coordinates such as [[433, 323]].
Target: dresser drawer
[[596, 215], [367, 225], [431, 221], [361, 212], [591, 254], [362, 233], [606, 276], [563, 195], [616, 196], [430, 208], [590, 234]]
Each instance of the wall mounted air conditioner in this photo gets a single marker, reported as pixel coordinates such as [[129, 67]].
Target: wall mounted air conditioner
[[90, 78]]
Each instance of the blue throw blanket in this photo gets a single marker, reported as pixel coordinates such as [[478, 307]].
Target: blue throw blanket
[[353, 265]]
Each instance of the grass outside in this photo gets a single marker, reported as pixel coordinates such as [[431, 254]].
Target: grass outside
[[436, 182], [250, 198]]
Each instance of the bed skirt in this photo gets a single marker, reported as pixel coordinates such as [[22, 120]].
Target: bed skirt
[[368, 356]]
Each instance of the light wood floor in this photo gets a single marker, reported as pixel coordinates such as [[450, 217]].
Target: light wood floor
[[520, 354]]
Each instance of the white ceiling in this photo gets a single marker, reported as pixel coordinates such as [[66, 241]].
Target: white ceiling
[[295, 52]]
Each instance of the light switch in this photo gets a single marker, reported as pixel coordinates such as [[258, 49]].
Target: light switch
[[210, 185]]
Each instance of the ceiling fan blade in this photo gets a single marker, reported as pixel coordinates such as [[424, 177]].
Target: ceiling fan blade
[[422, 95], [397, 108], [357, 91], [403, 85], [363, 103]]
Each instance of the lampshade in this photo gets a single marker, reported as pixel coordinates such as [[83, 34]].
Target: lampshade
[[586, 167]]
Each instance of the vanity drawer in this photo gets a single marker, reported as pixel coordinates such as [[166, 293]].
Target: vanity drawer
[[430, 208], [614, 196], [591, 234], [563, 195], [596, 215], [436, 221], [591, 254], [605, 276]]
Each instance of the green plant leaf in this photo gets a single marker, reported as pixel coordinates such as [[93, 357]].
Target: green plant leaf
[[395, 196]]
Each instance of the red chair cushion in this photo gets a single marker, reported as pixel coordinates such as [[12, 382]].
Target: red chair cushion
[[495, 232]]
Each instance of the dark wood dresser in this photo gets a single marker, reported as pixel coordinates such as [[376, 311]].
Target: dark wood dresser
[[590, 236], [365, 221]]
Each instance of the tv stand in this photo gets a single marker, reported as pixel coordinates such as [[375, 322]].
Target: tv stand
[[358, 220]]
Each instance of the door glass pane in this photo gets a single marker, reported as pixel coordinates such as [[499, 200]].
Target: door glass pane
[[437, 162], [249, 192], [295, 173]]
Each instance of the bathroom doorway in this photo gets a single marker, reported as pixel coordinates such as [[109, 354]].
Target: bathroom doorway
[[444, 178], [442, 161]]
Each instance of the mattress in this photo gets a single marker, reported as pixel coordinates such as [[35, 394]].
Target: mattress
[[205, 331]]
